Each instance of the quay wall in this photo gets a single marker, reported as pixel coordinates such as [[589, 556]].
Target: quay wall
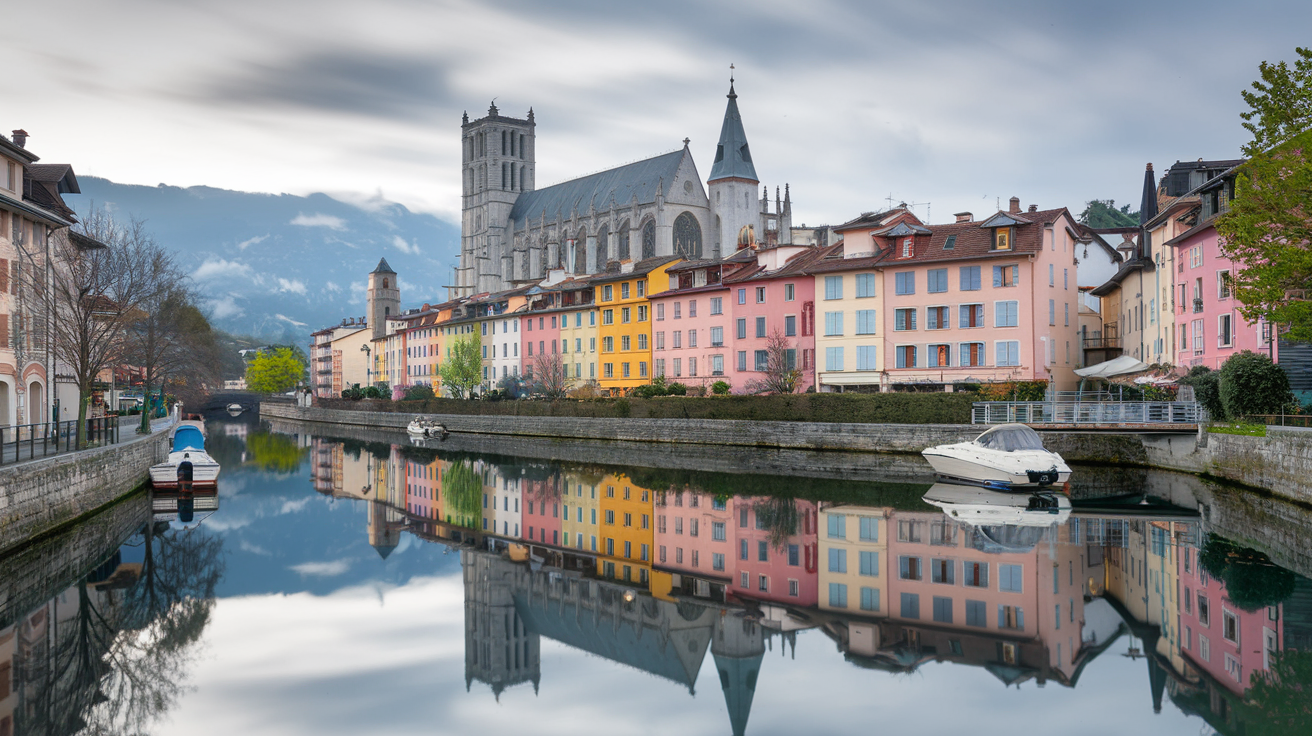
[[1280, 463], [40, 496]]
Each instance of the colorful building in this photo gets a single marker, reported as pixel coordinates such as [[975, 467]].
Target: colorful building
[[853, 565], [626, 530], [694, 542], [625, 329], [776, 550]]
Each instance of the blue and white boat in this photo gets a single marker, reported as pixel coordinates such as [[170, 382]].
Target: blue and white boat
[[188, 466]]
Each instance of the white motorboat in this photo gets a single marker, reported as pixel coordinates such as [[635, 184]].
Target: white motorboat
[[188, 465], [997, 522], [235, 409], [1005, 456], [425, 427]]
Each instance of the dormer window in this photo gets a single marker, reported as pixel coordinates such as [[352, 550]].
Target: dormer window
[[950, 243], [1002, 238], [908, 247]]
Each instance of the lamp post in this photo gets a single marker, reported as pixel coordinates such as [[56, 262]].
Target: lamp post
[[368, 366]]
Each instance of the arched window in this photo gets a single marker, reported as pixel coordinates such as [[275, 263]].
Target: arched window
[[521, 178], [649, 239], [687, 236], [505, 175], [503, 143], [603, 238], [622, 247], [581, 252], [385, 281]]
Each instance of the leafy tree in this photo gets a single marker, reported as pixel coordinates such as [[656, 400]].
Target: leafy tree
[[678, 389], [1104, 213], [372, 392], [1207, 389], [419, 392], [275, 452], [1252, 580], [463, 371], [464, 493], [1268, 227], [780, 516], [1280, 698], [550, 375], [1252, 384], [274, 372]]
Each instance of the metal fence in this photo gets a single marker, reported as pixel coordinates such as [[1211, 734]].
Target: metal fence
[[28, 441], [1088, 412], [1281, 420]]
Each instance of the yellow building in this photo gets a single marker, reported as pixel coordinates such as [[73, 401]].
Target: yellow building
[[625, 321], [626, 530], [581, 513], [854, 560]]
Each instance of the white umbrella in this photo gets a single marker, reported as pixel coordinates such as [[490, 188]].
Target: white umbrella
[[1114, 367]]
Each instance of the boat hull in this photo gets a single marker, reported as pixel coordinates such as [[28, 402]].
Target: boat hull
[[204, 472], [961, 467]]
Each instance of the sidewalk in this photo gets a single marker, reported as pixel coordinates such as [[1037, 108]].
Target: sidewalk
[[127, 432]]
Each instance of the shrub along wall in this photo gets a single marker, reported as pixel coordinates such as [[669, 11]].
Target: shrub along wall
[[887, 408]]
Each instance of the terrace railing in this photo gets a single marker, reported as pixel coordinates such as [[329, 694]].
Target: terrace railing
[[1090, 413], [29, 441]]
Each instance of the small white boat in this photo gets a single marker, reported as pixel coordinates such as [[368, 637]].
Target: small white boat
[[424, 427], [984, 507], [188, 465], [1005, 456], [235, 409]]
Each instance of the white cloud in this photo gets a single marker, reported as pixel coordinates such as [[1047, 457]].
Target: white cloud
[[404, 247], [214, 269], [296, 286], [319, 220], [331, 287], [291, 507], [285, 318], [225, 307], [246, 546], [323, 569], [243, 245]]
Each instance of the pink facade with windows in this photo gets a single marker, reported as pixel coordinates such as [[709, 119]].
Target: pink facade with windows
[[541, 501], [693, 537], [775, 297], [784, 573], [691, 334], [1209, 328], [540, 333], [1219, 637], [423, 488]]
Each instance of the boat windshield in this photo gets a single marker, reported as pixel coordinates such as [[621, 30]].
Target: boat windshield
[[188, 438], [1010, 438]]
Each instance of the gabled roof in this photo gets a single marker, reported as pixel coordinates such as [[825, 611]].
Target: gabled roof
[[902, 228], [867, 220], [640, 268], [1003, 219], [639, 180], [733, 159]]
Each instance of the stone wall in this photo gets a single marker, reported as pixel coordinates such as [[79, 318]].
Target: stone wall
[[40, 496]]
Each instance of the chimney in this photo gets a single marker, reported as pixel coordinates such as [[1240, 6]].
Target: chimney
[[20, 138], [1034, 208], [965, 217], [1015, 205]]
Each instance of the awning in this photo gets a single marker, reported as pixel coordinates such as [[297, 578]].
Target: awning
[[1114, 367]]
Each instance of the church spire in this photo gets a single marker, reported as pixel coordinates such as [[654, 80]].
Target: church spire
[[733, 159], [1148, 205]]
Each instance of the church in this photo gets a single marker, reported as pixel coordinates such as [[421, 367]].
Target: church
[[512, 234]]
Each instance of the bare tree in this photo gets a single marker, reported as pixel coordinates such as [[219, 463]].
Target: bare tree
[[170, 339], [551, 375], [781, 373], [100, 277]]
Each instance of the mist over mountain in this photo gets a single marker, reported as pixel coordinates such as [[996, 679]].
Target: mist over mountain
[[278, 266]]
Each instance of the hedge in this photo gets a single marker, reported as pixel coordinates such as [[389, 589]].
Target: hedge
[[883, 408]]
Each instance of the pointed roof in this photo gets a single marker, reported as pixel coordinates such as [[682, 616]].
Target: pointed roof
[[733, 159], [1148, 204], [383, 267], [738, 681]]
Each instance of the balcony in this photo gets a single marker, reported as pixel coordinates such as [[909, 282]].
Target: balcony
[[1102, 343]]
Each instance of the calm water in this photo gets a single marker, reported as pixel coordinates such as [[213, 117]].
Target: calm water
[[368, 586]]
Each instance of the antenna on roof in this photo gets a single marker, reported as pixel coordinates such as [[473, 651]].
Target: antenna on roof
[[731, 78]]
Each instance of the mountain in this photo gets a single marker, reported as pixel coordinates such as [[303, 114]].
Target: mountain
[[278, 266]]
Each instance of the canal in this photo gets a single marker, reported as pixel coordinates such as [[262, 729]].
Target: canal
[[362, 584]]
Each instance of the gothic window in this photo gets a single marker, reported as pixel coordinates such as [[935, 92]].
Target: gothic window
[[622, 251], [385, 281], [521, 145], [603, 239], [505, 176], [649, 239], [581, 252], [687, 236], [503, 143], [521, 178]]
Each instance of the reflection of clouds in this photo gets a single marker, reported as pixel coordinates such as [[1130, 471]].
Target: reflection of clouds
[[245, 546], [290, 507], [325, 569]]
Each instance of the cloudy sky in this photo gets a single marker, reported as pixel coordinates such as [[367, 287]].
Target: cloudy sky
[[957, 104]]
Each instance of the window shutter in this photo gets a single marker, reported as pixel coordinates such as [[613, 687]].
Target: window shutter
[[1020, 618], [4, 275], [1002, 617], [4, 330]]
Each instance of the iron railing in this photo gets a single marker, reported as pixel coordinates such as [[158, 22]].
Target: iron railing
[[1281, 420], [28, 441], [1075, 413]]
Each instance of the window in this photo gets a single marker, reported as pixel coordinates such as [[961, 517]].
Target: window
[[762, 361], [790, 325], [626, 342], [692, 307], [906, 356], [834, 359], [742, 296], [976, 614], [717, 365], [937, 280], [742, 329], [1224, 285], [837, 560], [660, 312], [677, 307], [1002, 238], [937, 318], [1229, 627], [833, 287], [910, 605], [1204, 648], [1052, 275], [910, 531], [950, 243], [1006, 314], [908, 247], [1066, 278], [606, 293], [942, 609], [940, 356], [904, 320], [1224, 330], [794, 555], [642, 313], [865, 285], [869, 564], [760, 295], [717, 561], [943, 571], [909, 568], [971, 354], [865, 321], [608, 344], [869, 599], [789, 292], [742, 549], [833, 323], [975, 574], [760, 326], [970, 315], [970, 278], [717, 305], [624, 290], [869, 529], [1052, 311], [642, 341], [1067, 308], [608, 316], [678, 339], [717, 336], [1011, 617], [837, 595], [1006, 276], [905, 282], [742, 360], [1009, 578], [866, 358]]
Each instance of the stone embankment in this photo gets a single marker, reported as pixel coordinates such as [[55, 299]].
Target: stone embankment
[[1280, 463], [43, 495]]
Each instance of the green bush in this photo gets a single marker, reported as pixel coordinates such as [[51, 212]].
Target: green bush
[[678, 389], [1252, 384], [891, 408], [1207, 389], [419, 392], [720, 388], [372, 392]]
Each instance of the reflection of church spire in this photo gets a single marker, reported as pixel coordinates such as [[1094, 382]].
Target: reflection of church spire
[[383, 537], [738, 648]]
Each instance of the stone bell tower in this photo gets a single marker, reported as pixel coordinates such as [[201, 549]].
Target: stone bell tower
[[498, 156], [384, 297]]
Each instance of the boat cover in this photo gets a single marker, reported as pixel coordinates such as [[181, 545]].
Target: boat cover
[[188, 438]]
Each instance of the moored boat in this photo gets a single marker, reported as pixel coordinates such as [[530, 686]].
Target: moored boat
[[1005, 456], [188, 465], [425, 427]]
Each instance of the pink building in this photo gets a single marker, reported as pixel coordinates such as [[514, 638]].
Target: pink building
[[774, 296], [422, 488], [1208, 325], [692, 541], [784, 573], [541, 510], [541, 334], [1218, 636]]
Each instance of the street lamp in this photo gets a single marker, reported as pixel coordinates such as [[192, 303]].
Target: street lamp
[[368, 366]]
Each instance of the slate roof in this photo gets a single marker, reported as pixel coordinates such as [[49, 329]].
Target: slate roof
[[383, 267], [733, 158], [640, 179], [639, 268]]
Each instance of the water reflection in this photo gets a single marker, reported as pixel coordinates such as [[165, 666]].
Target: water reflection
[[691, 578]]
